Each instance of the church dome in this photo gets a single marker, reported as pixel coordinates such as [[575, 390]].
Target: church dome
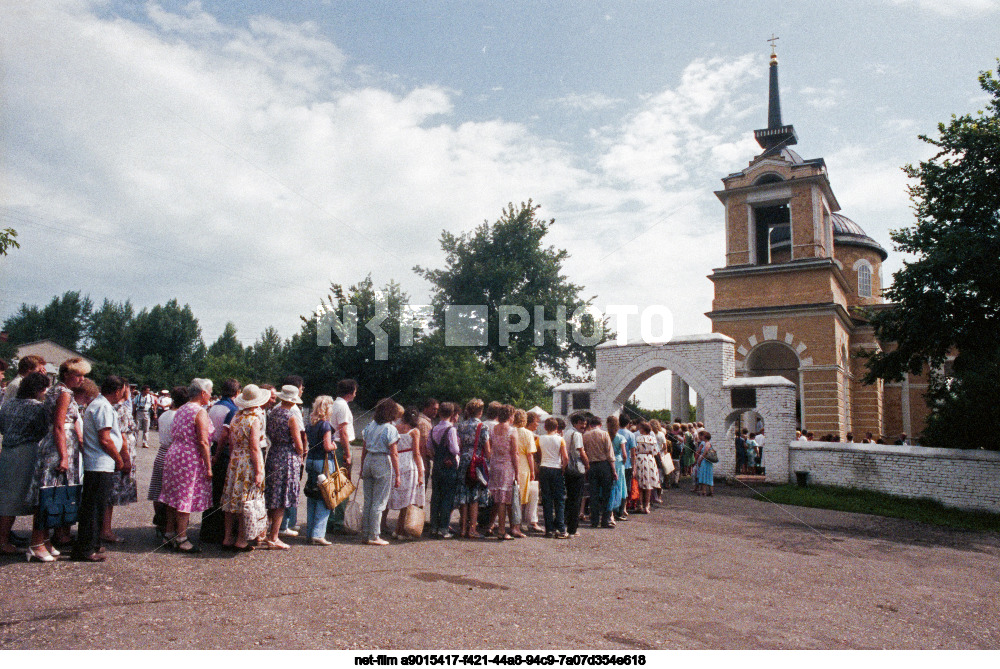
[[845, 233], [848, 233]]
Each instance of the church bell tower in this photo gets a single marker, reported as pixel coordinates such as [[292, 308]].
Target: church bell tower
[[786, 292]]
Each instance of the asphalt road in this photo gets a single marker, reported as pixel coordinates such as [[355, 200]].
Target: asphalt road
[[731, 571]]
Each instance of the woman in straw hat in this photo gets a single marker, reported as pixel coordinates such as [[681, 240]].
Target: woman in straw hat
[[284, 461], [245, 476]]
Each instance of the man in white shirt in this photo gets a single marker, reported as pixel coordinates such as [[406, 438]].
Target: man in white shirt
[[104, 454], [573, 436], [25, 366], [144, 406], [342, 421]]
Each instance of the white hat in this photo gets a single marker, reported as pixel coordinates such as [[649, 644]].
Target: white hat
[[252, 396], [289, 394]]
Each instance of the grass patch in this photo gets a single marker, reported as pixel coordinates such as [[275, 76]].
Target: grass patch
[[880, 504]]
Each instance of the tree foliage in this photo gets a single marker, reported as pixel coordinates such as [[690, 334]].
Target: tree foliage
[[64, 320], [8, 240], [506, 263], [322, 366], [947, 299]]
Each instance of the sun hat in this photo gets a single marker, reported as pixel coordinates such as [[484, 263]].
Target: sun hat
[[252, 396], [289, 394]]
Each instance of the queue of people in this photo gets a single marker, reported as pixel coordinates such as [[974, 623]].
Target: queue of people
[[240, 460]]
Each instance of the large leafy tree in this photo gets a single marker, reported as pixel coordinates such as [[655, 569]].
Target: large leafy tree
[[947, 299], [322, 358], [507, 263], [64, 320]]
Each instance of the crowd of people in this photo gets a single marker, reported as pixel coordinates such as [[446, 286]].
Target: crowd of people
[[240, 460]]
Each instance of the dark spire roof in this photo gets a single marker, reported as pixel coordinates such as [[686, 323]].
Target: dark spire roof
[[776, 136]]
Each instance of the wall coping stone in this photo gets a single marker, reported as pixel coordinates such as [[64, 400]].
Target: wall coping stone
[[887, 449]]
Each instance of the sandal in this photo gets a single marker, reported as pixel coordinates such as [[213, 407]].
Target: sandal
[[278, 545], [180, 542], [517, 534]]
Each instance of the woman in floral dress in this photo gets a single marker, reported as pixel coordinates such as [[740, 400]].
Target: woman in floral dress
[[59, 452], [503, 468], [187, 469], [644, 469], [283, 466], [469, 495], [245, 476]]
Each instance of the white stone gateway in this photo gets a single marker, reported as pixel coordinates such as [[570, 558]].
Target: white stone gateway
[[706, 364]]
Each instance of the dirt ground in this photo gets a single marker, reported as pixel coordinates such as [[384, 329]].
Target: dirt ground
[[731, 571]]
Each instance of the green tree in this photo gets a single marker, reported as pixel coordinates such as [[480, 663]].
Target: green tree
[[64, 320], [506, 263], [267, 356], [458, 375], [227, 343], [171, 332], [8, 240], [109, 333], [393, 371], [947, 299]]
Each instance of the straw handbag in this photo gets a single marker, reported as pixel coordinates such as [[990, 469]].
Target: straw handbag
[[337, 486]]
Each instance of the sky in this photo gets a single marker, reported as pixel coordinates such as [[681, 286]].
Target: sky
[[242, 156]]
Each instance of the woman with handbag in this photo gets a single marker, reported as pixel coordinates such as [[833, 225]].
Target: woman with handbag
[[319, 437], [409, 496], [379, 468], [243, 495], [283, 466], [59, 452], [470, 492], [23, 424], [503, 469], [706, 466]]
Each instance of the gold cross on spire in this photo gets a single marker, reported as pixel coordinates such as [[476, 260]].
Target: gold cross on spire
[[772, 41]]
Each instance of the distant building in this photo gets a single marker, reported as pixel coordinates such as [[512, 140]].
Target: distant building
[[53, 354]]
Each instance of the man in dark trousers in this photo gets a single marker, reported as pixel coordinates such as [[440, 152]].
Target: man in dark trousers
[[104, 453]]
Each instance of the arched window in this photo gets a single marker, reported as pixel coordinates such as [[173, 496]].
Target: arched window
[[865, 281], [864, 270]]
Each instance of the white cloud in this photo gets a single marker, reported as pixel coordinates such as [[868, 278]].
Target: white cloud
[[953, 7], [824, 97], [588, 102], [242, 168]]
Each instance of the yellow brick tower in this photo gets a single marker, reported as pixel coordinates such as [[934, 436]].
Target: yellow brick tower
[[795, 272]]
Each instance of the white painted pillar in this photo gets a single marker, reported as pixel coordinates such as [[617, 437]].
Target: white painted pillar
[[678, 398], [904, 403]]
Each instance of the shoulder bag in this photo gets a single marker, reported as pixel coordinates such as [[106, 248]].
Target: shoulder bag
[[711, 455], [337, 485], [479, 469], [58, 505], [254, 517]]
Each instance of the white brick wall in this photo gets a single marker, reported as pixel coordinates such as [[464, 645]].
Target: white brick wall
[[966, 479]]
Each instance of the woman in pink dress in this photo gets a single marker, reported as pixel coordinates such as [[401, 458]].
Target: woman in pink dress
[[187, 469], [503, 468]]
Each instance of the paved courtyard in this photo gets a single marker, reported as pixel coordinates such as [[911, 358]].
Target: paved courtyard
[[732, 571]]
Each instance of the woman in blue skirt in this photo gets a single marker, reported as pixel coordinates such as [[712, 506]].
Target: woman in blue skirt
[[706, 469], [619, 492]]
